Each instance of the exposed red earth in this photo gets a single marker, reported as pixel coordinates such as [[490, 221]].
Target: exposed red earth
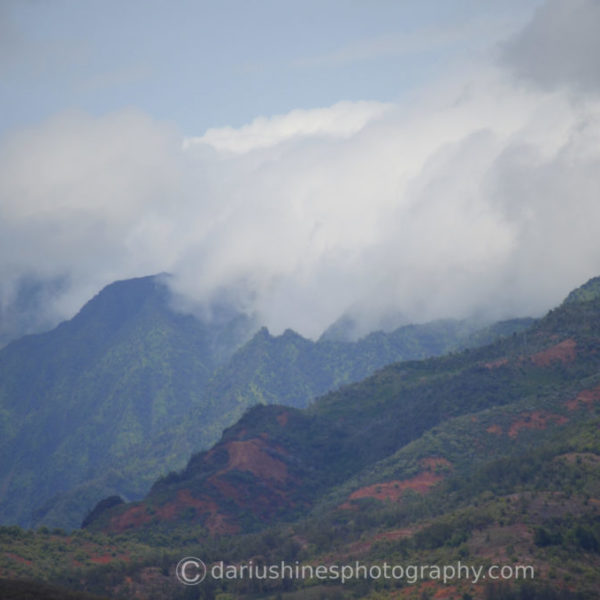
[[392, 491], [537, 419], [494, 364], [564, 352], [585, 398], [495, 429], [251, 455]]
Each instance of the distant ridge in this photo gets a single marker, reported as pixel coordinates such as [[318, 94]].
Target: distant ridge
[[489, 456], [128, 388], [277, 463], [588, 291]]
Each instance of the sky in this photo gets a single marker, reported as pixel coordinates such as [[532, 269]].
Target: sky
[[388, 161]]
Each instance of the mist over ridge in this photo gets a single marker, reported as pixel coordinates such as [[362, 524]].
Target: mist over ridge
[[475, 195]]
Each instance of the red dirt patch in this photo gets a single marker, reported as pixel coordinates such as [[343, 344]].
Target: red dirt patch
[[251, 456], [584, 398], [18, 558], [495, 429], [494, 364], [563, 352], [102, 560], [446, 593], [426, 588], [215, 522], [139, 516], [225, 488], [535, 420], [431, 463], [134, 517], [282, 418], [392, 491], [255, 456]]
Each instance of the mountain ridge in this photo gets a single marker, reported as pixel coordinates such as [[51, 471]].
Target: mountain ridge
[[363, 423], [489, 456], [107, 401]]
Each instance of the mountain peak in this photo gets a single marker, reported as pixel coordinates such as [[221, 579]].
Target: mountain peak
[[588, 291], [126, 295]]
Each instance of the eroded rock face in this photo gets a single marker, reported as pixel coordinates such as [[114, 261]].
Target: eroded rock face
[[247, 472]]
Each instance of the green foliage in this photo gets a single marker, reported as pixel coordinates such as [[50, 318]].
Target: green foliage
[[128, 389], [380, 428], [528, 591], [520, 481], [542, 537], [12, 589], [588, 291], [97, 404]]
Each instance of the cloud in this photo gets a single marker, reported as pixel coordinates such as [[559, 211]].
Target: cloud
[[479, 196], [560, 46], [87, 200], [341, 120], [452, 206]]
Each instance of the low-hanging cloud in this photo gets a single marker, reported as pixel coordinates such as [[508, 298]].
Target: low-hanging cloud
[[560, 46], [479, 197], [83, 201]]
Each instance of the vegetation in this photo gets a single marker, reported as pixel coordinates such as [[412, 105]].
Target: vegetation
[[488, 457], [129, 388]]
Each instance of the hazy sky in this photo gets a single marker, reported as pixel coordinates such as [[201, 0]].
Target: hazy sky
[[198, 64], [301, 159]]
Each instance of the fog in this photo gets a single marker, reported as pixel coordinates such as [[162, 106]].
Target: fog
[[478, 195]]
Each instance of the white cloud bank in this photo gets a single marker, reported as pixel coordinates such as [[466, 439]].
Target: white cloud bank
[[341, 120], [479, 197]]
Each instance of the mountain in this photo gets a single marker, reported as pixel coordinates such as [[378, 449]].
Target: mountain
[[80, 402], [129, 388], [588, 291], [488, 457], [292, 370], [491, 455], [354, 428]]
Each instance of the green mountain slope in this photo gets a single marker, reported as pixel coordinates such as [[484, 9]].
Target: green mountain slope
[[488, 457], [128, 389], [585, 292], [232, 486], [291, 370], [79, 402]]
